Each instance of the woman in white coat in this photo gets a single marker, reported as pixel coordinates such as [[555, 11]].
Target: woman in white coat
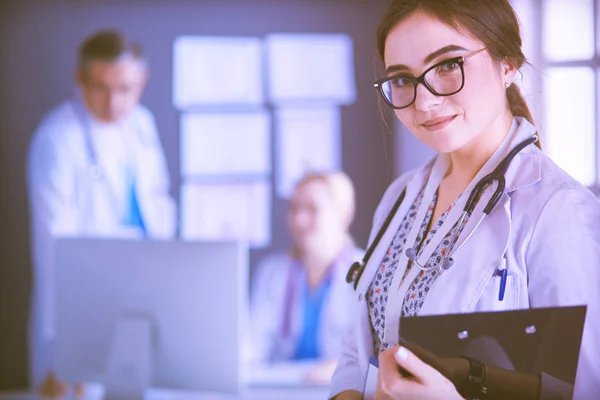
[[301, 305], [450, 69]]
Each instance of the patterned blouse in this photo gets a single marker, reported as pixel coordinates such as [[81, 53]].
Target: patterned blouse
[[377, 293]]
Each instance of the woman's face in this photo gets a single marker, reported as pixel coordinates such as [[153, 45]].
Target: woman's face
[[447, 124], [313, 216]]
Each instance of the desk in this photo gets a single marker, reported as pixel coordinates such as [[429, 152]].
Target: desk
[[274, 393], [282, 381]]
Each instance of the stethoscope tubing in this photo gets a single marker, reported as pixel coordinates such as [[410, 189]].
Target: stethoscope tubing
[[497, 175], [95, 171]]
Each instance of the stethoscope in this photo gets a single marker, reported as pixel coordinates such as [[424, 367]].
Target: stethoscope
[[94, 169], [294, 277], [447, 261]]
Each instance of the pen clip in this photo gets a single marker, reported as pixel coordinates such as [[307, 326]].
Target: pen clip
[[503, 272]]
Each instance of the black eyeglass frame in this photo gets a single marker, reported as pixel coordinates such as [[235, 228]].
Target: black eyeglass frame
[[460, 60]]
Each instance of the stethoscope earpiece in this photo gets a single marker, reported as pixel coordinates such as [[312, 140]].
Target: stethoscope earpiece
[[448, 263], [411, 254]]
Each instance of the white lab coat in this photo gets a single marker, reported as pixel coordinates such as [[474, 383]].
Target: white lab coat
[[271, 300], [66, 201], [546, 228]]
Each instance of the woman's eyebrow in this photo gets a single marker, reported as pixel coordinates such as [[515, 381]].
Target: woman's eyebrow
[[427, 60]]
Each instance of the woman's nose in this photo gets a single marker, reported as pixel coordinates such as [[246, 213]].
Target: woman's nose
[[426, 100]]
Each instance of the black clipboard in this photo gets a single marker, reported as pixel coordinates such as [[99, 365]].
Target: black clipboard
[[544, 340]]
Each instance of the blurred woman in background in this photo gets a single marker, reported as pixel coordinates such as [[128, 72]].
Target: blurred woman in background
[[301, 305]]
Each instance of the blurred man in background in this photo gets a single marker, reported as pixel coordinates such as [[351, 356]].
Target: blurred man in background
[[96, 168]]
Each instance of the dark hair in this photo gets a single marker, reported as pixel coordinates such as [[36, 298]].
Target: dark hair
[[107, 45], [493, 22]]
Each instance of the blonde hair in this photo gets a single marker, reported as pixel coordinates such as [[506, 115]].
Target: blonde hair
[[341, 190]]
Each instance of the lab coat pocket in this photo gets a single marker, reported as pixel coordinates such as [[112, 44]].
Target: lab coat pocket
[[490, 296]]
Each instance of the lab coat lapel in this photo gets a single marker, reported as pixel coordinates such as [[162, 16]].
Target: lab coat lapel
[[413, 187], [105, 194]]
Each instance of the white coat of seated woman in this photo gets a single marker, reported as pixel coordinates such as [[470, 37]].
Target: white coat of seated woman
[[301, 305]]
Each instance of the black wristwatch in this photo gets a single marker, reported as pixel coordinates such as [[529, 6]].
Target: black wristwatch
[[473, 387]]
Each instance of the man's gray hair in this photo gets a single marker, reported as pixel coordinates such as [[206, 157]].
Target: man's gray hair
[[108, 45]]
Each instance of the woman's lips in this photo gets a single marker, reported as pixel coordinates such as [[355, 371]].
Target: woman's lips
[[436, 124]]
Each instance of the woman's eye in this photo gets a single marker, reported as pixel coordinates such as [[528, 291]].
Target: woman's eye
[[449, 66], [400, 82]]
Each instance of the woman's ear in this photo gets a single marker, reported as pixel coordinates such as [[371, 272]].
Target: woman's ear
[[508, 71]]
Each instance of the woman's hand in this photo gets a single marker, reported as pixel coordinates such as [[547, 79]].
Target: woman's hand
[[422, 381], [456, 369]]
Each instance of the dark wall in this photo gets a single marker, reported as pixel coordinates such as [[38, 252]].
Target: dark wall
[[38, 41]]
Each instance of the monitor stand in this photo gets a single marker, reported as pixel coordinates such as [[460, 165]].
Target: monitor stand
[[129, 363]]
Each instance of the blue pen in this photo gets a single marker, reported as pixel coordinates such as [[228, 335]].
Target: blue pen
[[502, 271]]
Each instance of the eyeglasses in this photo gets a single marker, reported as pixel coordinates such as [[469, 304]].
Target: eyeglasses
[[442, 79]]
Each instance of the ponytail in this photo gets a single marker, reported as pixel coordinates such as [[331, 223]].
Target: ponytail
[[518, 106]]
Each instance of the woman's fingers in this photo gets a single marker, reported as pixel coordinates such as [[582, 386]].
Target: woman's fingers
[[415, 366], [388, 367], [419, 380], [388, 378], [429, 358]]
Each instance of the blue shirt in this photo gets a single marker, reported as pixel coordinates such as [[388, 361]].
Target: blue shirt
[[134, 216], [312, 305]]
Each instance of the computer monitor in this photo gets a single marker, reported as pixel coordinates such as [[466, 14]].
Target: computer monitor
[[175, 312]]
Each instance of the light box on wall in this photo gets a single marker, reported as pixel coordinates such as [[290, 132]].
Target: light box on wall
[[215, 70], [308, 139], [225, 143], [310, 67], [234, 210]]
